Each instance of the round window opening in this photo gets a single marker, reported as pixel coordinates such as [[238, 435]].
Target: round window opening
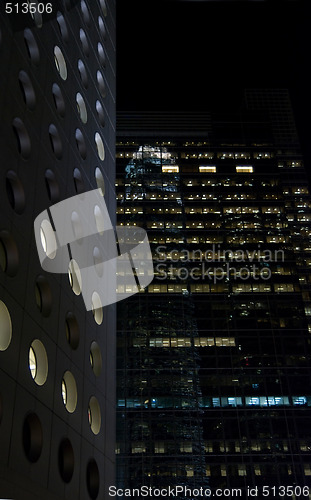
[[52, 186], [35, 13], [48, 239], [6, 327], [9, 255], [101, 83], [43, 295], [98, 262], [72, 330], [94, 415], [75, 278], [60, 62], [66, 460], [38, 362], [32, 437], [83, 73], [100, 146], [96, 358], [69, 392], [100, 113], [32, 46], [59, 100], [81, 107], [23, 139], [99, 219], [15, 192], [92, 479], [27, 89], [97, 308], [100, 181]]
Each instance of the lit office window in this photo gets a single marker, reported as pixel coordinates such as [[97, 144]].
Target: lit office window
[[189, 471], [244, 169], [207, 169], [299, 400], [307, 470], [186, 447], [242, 470], [159, 447], [223, 470], [170, 169], [138, 447]]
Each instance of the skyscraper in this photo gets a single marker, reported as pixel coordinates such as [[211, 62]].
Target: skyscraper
[[214, 356], [57, 383]]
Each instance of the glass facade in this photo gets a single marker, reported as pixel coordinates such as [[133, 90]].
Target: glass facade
[[214, 355]]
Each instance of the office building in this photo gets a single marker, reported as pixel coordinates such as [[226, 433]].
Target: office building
[[57, 361], [214, 355]]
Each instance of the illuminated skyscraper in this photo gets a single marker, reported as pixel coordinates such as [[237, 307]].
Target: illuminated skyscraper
[[214, 356], [57, 381]]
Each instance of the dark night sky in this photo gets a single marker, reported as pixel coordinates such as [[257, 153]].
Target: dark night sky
[[200, 55]]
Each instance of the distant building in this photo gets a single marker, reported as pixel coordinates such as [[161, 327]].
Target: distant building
[[214, 356], [57, 361]]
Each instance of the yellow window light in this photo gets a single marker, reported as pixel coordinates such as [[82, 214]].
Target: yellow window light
[[207, 169], [244, 169]]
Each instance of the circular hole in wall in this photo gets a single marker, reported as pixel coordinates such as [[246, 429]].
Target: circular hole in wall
[[38, 362], [99, 219], [32, 46], [6, 327], [35, 14], [9, 256], [102, 28], [101, 83], [72, 330], [101, 54], [98, 262], [100, 146], [56, 142], [32, 437], [80, 143], [100, 181], [103, 7], [81, 107], [96, 358], [84, 43], [94, 415], [48, 239], [69, 392], [66, 460], [60, 62], [75, 278], [77, 226], [85, 12], [62, 26], [27, 89], [78, 181], [100, 113], [15, 192], [97, 308], [58, 100], [92, 479], [52, 186], [23, 139], [83, 73], [43, 296]]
